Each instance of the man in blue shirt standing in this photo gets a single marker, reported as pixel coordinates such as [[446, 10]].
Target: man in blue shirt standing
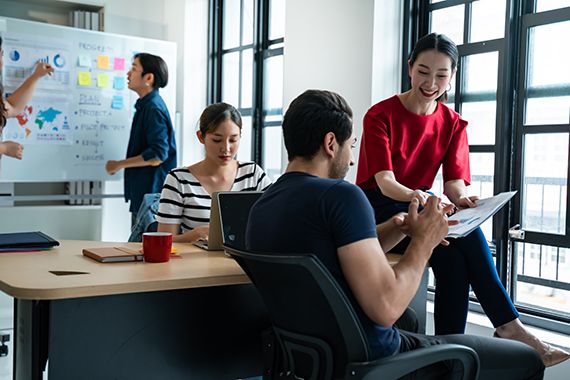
[[151, 152], [310, 209]]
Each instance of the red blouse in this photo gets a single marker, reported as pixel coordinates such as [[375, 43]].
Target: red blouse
[[412, 146]]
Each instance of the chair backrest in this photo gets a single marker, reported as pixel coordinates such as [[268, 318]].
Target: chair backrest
[[303, 298]]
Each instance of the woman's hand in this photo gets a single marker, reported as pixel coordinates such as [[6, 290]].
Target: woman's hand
[[42, 69], [12, 149], [198, 233], [421, 196], [467, 201]]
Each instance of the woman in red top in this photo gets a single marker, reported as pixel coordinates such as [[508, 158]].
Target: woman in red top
[[406, 139]]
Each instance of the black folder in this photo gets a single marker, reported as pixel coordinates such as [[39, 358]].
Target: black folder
[[26, 240]]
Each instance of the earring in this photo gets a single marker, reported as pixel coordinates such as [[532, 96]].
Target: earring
[[448, 87]]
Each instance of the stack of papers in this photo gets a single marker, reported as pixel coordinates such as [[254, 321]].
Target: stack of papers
[[471, 218]]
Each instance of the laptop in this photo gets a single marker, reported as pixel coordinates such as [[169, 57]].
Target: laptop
[[214, 242], [234, 213]]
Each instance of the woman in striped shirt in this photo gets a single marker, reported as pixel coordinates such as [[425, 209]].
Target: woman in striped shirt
[[185, 200]]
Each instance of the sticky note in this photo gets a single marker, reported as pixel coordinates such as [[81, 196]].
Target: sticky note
[[102, 80], [103, 62], [84, 61], [119, 63], [119, 83], [117, 102], [84, 78]]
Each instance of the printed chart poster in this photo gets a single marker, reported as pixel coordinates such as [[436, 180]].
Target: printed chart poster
[[45, 120]]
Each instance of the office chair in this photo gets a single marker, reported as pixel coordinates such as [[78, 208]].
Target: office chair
[[318, 333]]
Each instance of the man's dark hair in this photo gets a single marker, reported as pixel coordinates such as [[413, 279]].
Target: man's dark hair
[[310, 117], [156, 66]]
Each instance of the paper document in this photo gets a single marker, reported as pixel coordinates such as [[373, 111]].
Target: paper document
[[471, 218]]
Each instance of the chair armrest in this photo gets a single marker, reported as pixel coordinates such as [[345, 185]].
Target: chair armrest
[[396, 366]]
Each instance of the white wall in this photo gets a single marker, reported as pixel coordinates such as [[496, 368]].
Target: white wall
[[350, 47]]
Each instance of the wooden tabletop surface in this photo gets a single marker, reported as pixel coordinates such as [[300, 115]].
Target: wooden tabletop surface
[[63, 272]]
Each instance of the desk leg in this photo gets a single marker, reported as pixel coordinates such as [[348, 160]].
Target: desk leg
[[30, 339]]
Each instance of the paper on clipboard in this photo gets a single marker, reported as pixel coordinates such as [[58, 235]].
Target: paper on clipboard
[[471, 218]]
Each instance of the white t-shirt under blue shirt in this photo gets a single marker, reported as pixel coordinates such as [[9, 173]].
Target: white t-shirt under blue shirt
[[184, 200]]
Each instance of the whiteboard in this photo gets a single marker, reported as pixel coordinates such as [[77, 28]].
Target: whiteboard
[[80, 116]]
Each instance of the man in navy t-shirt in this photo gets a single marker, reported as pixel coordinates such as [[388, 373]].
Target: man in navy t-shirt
[[310, 209]]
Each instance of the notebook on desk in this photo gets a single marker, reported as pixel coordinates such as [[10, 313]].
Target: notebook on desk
[[26, 240], [234, 213], [214, 242]]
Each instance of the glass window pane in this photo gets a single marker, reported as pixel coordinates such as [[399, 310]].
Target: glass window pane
[[487, 20], [276, 19], [546, 102], [548, 110], [273, 83], [481, 72], [544, 183], [546, 5], [246, 78], [231, 24], [449, 21], [245, 143], [482, 171], [247, 22], [272, 147], [482, 118], [230, 78], [541, 261], [546, 55]]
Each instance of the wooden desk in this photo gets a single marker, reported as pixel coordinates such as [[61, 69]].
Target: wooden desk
[[135, 320], [195, 317]]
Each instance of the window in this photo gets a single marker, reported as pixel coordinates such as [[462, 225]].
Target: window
[[246, 71], [515, 142]]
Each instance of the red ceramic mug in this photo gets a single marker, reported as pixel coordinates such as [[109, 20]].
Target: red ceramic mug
[[157, 246]]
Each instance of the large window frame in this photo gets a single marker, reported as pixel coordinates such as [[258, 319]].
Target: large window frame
[[264, 48], [508, 148]]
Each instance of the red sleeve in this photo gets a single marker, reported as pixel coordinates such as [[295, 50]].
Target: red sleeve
[[456, 160], [375, 155]]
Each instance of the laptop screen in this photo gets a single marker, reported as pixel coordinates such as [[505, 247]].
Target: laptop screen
[[234, 212]]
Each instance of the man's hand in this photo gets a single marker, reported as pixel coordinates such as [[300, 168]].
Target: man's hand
[[429, 226], [13, 149], [113, 166]]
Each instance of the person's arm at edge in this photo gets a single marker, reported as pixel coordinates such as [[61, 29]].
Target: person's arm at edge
[[382, 291], [386, 181], [11, 149], [16, 102]]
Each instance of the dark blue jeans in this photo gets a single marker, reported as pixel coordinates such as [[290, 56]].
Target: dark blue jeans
[[465, 262]]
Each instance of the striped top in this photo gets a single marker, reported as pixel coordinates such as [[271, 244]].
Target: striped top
[[185, 202]]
